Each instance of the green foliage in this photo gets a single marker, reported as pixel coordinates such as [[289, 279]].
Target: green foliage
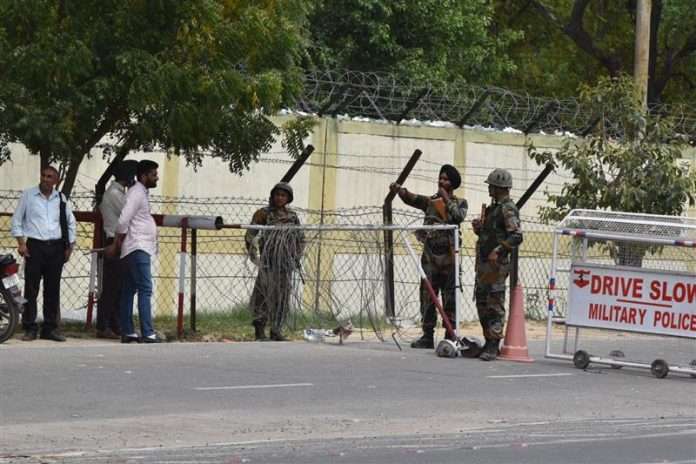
[[194, 78], [552, 61], [424, 40], [294, 132], [549, 63], [630, 162], [677, 47]]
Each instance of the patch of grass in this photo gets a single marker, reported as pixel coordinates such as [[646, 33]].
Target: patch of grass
[[230, 324], [218, 325]]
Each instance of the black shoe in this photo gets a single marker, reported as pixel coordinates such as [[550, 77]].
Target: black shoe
[[154, 339], [425, 342], [490, 350], [278, 337], [130, 339], [29, 335], [52, 335]]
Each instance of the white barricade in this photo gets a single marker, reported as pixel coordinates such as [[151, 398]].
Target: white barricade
[[626, 273]]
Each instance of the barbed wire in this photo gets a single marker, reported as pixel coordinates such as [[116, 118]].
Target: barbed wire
[[390, 97]]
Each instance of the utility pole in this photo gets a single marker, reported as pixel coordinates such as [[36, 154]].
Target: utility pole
[[642, 56]]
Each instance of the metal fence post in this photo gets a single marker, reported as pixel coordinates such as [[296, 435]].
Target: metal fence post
[[194, 252], [182, 280], [389, 300], [93, 266]]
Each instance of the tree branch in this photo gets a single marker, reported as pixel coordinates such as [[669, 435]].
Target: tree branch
[[110, 119], [671, 60], [688, 48], [71, 174], [655, 20], [45, 157], [575, 30], [121, 152]]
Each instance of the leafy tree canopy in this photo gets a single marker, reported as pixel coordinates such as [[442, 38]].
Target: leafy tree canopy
[[425, 40], [195, 77], [631, 161], [572, 42]]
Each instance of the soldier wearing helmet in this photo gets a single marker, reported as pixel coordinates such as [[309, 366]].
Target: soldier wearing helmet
[[277, 253], [438, 248], [499, 232]]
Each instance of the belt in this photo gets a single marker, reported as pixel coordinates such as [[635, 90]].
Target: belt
[[46, 242]]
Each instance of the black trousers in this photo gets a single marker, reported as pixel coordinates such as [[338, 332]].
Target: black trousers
[[108, 304], [45, 261]]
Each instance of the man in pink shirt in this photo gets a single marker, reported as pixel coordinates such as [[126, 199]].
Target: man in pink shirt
[[136, 240]]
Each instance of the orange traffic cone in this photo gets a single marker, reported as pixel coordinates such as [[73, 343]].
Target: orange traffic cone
[[515, 343]]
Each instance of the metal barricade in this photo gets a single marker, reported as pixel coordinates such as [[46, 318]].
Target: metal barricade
[[630, 285]]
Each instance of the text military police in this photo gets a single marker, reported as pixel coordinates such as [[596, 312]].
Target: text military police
[[277, 253], [499, 232], [438, 247]]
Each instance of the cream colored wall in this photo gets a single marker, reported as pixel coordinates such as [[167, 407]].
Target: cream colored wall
[[353, 164], [367, 164]]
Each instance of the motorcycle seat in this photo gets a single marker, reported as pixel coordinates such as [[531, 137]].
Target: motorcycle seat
[[6, 259]]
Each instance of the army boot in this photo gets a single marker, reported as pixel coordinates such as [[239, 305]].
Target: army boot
[[490, 350], [259, 332], [425, 342]]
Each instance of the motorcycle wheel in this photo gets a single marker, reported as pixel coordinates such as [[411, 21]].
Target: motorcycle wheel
[[9, 317]]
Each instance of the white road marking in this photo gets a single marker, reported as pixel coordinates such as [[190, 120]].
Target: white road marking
[[521, 376], [252, 387]]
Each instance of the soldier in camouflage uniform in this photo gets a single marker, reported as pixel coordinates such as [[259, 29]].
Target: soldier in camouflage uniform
[[438, 247], [499, 232], [277, 254]]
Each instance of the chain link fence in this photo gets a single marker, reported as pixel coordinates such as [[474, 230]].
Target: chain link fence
[[334, 266]]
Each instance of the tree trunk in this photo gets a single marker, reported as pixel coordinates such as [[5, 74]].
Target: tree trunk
[[654, 95], [45, 156], [71, 175], [641, 62], [121, 153], [629, 254]]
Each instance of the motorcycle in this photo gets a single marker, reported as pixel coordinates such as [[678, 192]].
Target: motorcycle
[[11, 300]]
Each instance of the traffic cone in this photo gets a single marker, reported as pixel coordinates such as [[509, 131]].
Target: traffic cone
[[515, 343]]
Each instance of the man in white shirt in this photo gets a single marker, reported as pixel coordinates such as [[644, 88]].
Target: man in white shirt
[[108, 319], [44, 227], [136, 240]]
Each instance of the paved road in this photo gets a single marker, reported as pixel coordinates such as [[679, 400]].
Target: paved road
[[88, 401]]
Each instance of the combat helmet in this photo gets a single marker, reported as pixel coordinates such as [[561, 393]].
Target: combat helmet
[[500, 178], [285, 187]]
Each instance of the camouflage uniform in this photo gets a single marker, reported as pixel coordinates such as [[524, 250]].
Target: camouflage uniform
[[500, 231], [277, 253], [438, 256]]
